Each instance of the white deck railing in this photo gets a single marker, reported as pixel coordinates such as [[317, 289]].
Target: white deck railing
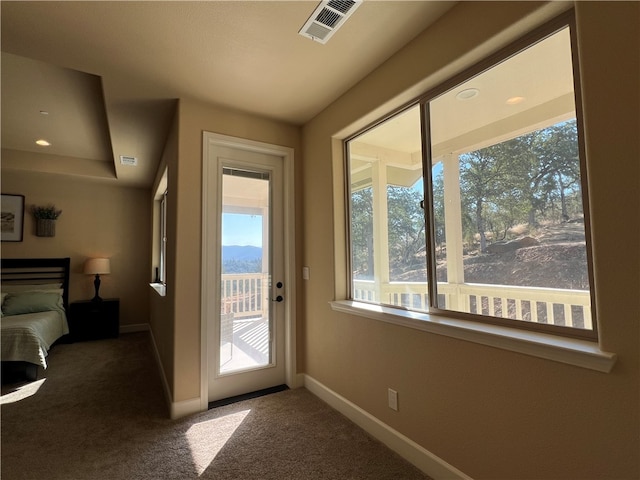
[[245, 294], [570, 308]]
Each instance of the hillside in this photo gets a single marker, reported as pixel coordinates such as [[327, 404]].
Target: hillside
[[241, 259], [240, 252], [558, 261]]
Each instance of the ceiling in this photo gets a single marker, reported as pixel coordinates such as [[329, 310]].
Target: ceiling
[[525, 92], [99, 80]]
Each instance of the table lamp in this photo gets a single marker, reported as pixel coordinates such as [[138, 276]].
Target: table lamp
[[97, 267]]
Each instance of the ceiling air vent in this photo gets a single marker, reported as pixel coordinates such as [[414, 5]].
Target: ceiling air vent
[[131, 161], [327, 18]]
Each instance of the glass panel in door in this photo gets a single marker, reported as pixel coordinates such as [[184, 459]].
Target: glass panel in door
[[245, 323]]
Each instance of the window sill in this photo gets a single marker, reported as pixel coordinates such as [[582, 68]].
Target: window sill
[[580, 353], [160, 288]]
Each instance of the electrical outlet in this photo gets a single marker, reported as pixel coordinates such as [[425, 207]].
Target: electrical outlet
[[305, 273], [393, 399]]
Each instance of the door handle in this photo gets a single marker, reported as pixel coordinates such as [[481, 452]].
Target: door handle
[[278, 299]]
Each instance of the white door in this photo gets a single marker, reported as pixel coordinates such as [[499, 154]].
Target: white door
[[246, 299]]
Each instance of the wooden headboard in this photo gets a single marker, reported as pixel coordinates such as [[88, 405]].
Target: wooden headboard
[[16, 271]]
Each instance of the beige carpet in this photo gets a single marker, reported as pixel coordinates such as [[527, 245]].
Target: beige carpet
[[99, 413]]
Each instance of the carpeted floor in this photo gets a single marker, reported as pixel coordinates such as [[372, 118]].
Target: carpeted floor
[[99, 413]]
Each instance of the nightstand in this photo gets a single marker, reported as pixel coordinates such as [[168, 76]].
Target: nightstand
[[89, 320]]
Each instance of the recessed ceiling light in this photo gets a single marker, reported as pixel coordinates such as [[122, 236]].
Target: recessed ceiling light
[[467, 94], [515, 100], [43, 143]]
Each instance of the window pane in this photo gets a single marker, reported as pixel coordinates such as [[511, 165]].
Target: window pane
[[387, 223], [507, 190], [245, 320], [162, 274]]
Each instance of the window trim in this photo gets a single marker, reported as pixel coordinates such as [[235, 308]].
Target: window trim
[[491, 324], [571, 351]]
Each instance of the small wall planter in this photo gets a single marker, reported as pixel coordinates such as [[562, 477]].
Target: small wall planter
[[45, 220], [45, 227]]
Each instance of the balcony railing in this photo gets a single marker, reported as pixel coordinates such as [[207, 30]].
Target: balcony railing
[[245, 294], [570, 308]]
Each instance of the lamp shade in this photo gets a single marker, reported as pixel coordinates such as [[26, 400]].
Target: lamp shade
[[98, 266]]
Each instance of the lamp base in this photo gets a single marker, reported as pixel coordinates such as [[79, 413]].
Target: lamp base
[[96, 284]]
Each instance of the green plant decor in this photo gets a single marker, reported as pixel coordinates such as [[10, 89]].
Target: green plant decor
[[48, 212]]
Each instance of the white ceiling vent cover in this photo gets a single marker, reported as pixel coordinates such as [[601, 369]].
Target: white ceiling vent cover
[[131, 161], [327, 18]]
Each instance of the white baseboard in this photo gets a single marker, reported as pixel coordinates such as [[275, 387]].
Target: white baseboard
[[185, 407], [137, 327], [176, 409], [297, 381], [163, 377], [426, 461]]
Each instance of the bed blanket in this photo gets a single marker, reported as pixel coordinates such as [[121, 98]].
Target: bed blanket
[[29, 337]]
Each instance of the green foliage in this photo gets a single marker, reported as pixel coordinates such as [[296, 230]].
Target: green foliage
[[438, 208], [362, 233], [406, 229], [234, 265], [48, 212], [529, 179]]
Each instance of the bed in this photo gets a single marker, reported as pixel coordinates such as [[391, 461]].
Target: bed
[[35, 299]]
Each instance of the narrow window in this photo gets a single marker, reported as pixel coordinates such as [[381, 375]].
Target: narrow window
[[160, 207], [162, 270]]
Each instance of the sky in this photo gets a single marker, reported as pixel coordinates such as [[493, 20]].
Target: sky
[[239, 229]]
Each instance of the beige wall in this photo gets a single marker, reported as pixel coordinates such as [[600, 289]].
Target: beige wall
[[489, 412], [162, 308], [184, 223], [98, 219]]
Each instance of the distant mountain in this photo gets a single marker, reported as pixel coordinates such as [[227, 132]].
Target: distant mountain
[[240, 253]]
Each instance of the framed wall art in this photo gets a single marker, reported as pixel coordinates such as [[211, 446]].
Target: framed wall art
[[12, 217]]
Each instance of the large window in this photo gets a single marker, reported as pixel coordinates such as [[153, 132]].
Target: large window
[[502, 236]]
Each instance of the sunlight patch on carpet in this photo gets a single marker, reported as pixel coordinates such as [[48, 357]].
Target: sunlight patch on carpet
[[22, 392], [207, 438]]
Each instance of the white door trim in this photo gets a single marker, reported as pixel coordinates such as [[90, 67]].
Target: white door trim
[[209, 141]]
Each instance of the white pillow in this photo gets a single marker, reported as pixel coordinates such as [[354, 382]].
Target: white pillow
[[2, 297], [32, 301], [11, 288]]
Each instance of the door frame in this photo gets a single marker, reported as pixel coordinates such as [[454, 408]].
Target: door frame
[[210, 141]]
